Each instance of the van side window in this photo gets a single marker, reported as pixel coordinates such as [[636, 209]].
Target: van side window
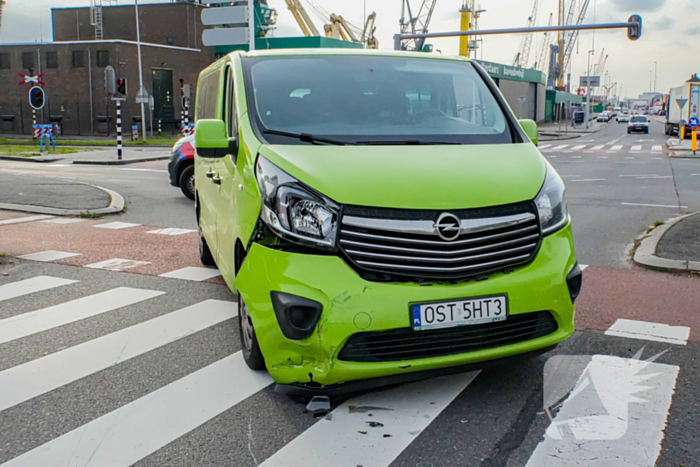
[[230, 102], [208, 92]]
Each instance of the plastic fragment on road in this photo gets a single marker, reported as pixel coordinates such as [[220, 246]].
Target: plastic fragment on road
[[319, 404], [375, 424]]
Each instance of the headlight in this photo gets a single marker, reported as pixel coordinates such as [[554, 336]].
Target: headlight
[[292, 210], [551, 202]]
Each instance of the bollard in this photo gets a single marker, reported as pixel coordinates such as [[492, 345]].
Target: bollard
[[119, 130], [695, 142]]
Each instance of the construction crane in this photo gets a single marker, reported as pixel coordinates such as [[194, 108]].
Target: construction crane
[[541, 59], [566, 40], [303, 19], [368, 38], [338, 29], [600, 67], [417, 24], [2, 4], [572, 38], [523, 56]]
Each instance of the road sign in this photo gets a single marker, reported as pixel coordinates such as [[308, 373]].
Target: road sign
[[225, 15], [224, 36], [32, 79], [694, 122], [681, 102], [142, 96], [592, 81], [37, 98]]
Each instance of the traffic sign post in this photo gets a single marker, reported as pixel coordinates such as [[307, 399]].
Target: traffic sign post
[[681, 129], [694, 123]]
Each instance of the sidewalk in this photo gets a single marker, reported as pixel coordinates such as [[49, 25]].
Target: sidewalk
[[555, 131], [55, 196], [129, 156], [673, 246]]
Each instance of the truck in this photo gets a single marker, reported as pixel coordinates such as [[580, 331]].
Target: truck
[[677, 118]]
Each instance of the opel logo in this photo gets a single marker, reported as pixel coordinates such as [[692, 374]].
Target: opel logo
[[447, 227]]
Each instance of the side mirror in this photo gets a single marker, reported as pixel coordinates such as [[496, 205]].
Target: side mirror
[[212, 141], [530, 128]]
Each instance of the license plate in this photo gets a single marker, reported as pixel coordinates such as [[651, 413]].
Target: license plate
[[425, 316]]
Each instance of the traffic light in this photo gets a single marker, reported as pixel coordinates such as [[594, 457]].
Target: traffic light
[[121, 86], [635, 32], [37, 98], [110, 86]]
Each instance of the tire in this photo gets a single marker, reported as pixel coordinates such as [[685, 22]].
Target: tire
[[249, 341], [187, 181], [205, 255], [629, 132], [646, 131]]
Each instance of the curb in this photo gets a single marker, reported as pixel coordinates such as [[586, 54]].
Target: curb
[[645, 255], [123, 161], [30, 159], [116, 206]]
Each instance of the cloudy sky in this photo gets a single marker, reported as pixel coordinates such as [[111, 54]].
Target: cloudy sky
[[671, 31]]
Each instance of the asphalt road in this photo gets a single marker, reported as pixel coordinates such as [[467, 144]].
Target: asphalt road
[[130, 368]]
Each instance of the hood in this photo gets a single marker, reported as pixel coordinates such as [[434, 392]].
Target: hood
[[416, 177]]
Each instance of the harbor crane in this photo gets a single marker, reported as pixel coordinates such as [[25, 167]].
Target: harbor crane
[[522, 58], [417, 24], [541, 59], [337, 28]]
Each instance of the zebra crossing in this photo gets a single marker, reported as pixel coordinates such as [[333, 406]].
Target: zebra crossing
[[372, 429], [547, 148]]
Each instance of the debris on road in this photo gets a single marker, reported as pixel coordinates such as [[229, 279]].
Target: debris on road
[[319, 405], [375, 424]]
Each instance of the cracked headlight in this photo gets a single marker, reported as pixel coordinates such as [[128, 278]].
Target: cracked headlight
[[551, 203], [292, 210]]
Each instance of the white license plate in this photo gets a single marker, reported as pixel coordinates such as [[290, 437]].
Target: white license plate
[[425, 316]]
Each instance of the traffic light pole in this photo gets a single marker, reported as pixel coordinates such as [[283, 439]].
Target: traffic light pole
[[138, 45], [119, 130]]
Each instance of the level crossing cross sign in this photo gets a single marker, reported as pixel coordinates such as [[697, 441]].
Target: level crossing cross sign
[[32, 79]]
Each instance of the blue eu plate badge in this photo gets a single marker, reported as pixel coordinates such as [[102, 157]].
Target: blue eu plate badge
[[415, 309]]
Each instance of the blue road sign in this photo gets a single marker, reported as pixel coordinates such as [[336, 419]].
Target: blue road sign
[[694, 122]]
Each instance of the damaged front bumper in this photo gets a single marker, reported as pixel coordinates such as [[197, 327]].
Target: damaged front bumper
[[353, 305]]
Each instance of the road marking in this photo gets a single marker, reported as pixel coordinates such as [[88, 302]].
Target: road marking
[[19, 220], [116, 225], [616, 148], [570, 176], [117, 264], [64, 220], [654, 176], [649, 331], [26, 324], [337, 442], [695, 175], [657, 148], [24, 382], [552, 157], [597, 148], [132, 432], [629, 157], [658, 158], [590, 180], [617, 410], [576, 157], [602, 157], [615, 141], [146, 170], [636, 148], [544, 146], [171, 231], [640, 175], [583, 266], [28, 286], [51, 255], [559, 148], [192, 274], [578, 148], [655, 205]]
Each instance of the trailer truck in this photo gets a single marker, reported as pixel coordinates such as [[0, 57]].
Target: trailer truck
[[677, 118]]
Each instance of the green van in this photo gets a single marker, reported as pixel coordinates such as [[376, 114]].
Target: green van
[[381, 216]]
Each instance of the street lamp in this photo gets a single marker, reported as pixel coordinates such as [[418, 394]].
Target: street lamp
[[141, 89], [655, 76], [588, 87]]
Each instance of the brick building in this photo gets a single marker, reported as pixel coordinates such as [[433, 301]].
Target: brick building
[[74, 66]]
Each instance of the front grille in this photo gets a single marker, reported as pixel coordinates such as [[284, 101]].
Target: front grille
[[407, 344], [405, 242]]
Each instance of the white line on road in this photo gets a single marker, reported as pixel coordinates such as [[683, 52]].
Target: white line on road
[[583, 267], [552, 157], [590, 180], [657, 148], [603, 157], [18, 220], [570, 176], [576, 157], [695, 175], [655, 205], [146, 170], [617, 411], [338, 441], [24, 382], [116, 225], [544, 146], [51, 255], [28, 286], [559, 148], [193, 274], [117, 264], [640, 175], [649, 331], [132, 432], [616, 148], [26, 324], [629, 157], [597, 148], [636, 148], [657, 158], [171, 231], [655, 176], [578, 148], [64, 220]]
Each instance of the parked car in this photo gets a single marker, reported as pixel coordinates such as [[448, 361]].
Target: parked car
[[357, 228], [604, 117], [638, 123], [624, 118], [181, 166]]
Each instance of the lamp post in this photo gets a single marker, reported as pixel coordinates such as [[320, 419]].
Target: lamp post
[[655, 76], [138, 46], [588, 87]]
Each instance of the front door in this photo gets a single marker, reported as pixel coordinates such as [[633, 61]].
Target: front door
[[164, 107]]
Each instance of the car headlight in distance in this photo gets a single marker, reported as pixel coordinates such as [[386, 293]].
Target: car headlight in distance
[[292, 210], [551, 203]]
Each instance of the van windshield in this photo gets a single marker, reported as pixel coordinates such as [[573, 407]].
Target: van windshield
[[639, 119], [373, 100]]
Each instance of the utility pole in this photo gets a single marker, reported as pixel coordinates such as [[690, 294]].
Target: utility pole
[[655, 76], [138, 45], [588, 87], [650, 79], [251, 25]]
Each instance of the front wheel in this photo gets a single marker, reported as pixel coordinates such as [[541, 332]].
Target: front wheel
[[251, 350], [187, 181], [205, 255]]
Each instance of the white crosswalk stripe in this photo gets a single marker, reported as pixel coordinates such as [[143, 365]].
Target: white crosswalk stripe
[[29, 286], [636, 148], [19, 220], [50, 255], [597, 148], [578, 148], [657, 148], [616, 148], [132, 432], [42, 320]]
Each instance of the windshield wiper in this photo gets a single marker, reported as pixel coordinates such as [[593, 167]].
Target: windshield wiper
[[306, 138], [407, 142]]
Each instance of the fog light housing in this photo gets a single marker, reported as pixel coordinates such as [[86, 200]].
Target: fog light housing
[[574, 281], [296, 316]]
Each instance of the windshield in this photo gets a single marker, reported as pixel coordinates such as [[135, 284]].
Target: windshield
[[366, 100], [639, 119]]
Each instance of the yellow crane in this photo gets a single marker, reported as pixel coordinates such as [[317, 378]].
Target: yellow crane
[[469, 21], [338, 28], [2, 4], [303, 19]]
